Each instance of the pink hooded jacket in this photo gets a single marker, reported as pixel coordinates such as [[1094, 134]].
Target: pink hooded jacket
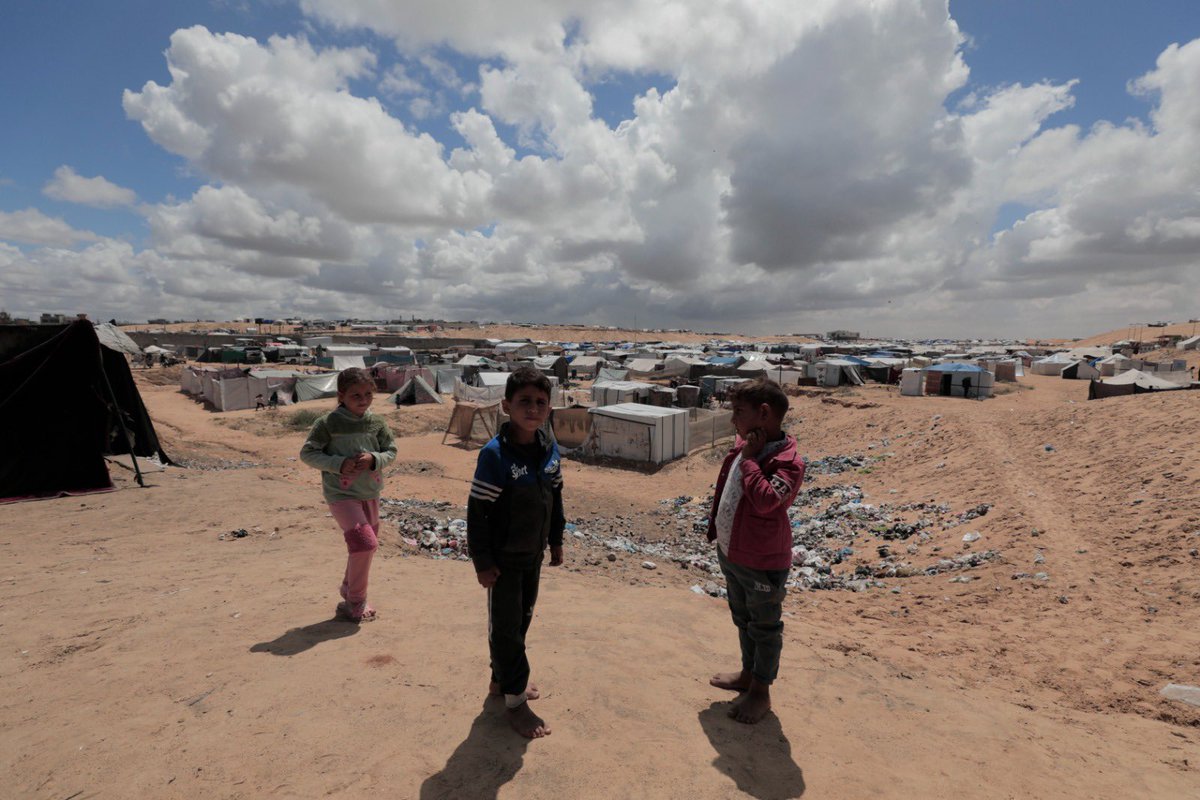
[[762, 533]]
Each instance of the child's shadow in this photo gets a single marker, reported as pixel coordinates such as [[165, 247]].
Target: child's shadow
[[297, 640], [757, 757], [490, 756]]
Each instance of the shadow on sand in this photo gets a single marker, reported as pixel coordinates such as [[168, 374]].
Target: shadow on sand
[[297, 640], [490, 756], [757, 757]]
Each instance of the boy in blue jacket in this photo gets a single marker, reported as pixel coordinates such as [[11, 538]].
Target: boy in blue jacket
[[514, 511], [757, 484]]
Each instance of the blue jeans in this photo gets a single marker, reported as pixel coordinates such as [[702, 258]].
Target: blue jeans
[[756, 605]]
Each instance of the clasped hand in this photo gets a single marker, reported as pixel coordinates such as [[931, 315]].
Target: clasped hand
[[363, 462]]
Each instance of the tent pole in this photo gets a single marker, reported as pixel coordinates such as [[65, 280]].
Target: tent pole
[[137, 472]]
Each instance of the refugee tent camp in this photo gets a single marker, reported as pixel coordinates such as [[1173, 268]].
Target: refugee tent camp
[[1192, 343], [639, 432], [102, 413]]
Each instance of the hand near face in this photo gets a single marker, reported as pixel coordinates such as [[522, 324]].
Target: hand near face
[[755, 440]]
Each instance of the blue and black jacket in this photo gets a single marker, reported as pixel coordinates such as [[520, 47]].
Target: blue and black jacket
[[515, 508]]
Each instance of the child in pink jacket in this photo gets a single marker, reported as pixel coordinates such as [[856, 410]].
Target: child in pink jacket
[[749, 522]]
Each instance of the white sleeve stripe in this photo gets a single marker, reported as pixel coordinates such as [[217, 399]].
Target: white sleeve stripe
[[483, 497], [475, 487], [486, 485]]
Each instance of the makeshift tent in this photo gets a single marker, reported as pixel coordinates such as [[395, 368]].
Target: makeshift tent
[[1080, 370], [552, 365], [911, 384], [1051, 365], [395, 355], [958, 380], [445, 377], [415, 390], [639, 432], [606, 393], [835, 372], [611, 374], [477, 361], [315, 387], [586, 366], [1114, 365], [1192, 343], [84, 404], [492, 378], [477, 394], [1144, 381], [472, 422]]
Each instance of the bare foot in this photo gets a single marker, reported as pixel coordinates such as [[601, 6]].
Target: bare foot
[[753, 705], [527, 723], [733, 681], [355, 612], [531, 691]]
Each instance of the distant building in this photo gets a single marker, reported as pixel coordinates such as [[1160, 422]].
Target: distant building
[[843, 336], [53, 319]]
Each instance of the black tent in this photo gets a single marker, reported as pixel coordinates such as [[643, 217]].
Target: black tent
[[67, 401]]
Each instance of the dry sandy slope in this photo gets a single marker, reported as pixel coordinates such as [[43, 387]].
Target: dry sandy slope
[[148, 657]]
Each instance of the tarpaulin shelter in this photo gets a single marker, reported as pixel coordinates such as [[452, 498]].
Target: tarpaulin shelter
[[1080, 370], [79, 402], [955, 379], [415, 390], [612, 392], [316, 387], [1131, 382], [472, 422]]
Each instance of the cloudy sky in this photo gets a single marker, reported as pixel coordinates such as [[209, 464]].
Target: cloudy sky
[[900, 167]]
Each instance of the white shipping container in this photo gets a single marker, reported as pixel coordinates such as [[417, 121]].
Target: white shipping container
[[640, 432]]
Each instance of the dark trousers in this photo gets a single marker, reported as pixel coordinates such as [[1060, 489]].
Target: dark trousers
[[510, 610], [756, 604]]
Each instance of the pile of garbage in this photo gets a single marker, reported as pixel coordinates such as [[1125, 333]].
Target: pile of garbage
[[433, 527], [833, 531]]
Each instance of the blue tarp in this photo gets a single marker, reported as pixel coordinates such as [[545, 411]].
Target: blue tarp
[[722, 360], [856, 361], [955, 368]]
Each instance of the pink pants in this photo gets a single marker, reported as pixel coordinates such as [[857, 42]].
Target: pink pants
[[359, 521]]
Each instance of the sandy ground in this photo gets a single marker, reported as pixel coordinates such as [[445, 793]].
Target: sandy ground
[[147, 656]]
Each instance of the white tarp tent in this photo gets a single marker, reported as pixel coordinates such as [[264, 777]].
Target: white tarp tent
[[912, 384], [1143, 380], [606, 393], [315, 387], [836, 371], [640, 432], [1051, 365]]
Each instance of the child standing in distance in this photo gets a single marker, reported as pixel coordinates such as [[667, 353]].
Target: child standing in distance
[[514, 510], [757, 484], [351, 446]]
